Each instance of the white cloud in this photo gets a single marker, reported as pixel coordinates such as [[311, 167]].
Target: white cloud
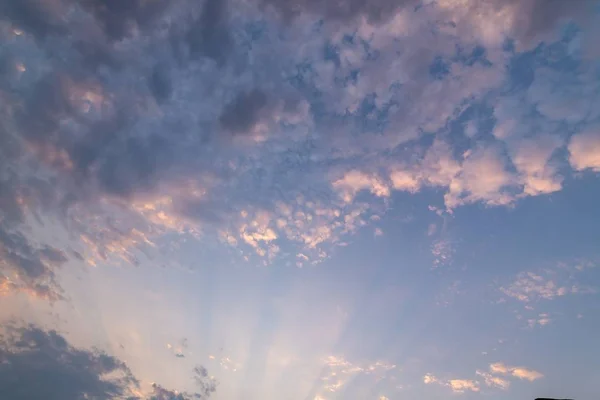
[[517, 372], [463, 385], [494, 381], [404, 181], [429, 378], [542, 319], [545, 285], [456, 385], [355, 181], [584, 151], [442, 251], [531, 158]]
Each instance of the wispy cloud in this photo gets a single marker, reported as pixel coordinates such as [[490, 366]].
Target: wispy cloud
[[517, 372], [456, 385], [339, 371]]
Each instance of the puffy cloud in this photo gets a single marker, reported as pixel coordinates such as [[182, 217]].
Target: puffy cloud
[[483, 177], [354, 181], [531, 158], [584, 151], [429, 378], [174, 117]]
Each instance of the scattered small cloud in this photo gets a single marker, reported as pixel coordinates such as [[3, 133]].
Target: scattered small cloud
[[517, 372], [530, 287], [542, 319], [456, 385], [339, 371], [494, 381]]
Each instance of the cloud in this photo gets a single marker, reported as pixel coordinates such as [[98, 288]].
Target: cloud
[[29, 269], [531, 158], [530, 287], [355, 181], [526, 21], [584, 151], [346, 10], [495, 378], [62, 371], [207, 386], [542, 320], [463, 385], [456, 385], [494, 381], [241, 115], [429, 378], [517, 372], [209, 34], [339, 371], [115, 118]]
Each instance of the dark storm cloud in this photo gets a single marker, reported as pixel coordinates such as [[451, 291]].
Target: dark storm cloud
[[40, 364], [242, 114]]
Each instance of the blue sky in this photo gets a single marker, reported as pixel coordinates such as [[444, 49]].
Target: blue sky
[[293, 199]]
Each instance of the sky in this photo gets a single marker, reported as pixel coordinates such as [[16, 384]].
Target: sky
[[299, 199]]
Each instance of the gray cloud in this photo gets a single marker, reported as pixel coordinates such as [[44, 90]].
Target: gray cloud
[[35, 16], [26, 267], [343, 10], [538, 17], [243, 112], [209, 34], [40, 364], [206, 386], [114, 102], [117, 18]]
